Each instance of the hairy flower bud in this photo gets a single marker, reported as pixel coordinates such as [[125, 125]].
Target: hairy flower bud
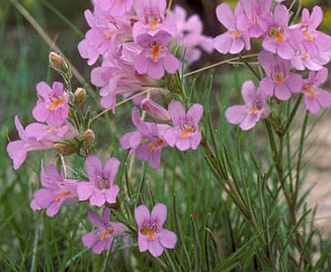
[[155, 110], [64, 148], [80, 95], [89, 137]]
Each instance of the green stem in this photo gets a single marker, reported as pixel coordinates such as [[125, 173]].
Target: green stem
[[299, 163]]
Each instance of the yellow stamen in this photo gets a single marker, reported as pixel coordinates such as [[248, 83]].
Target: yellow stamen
[[309, 91], [277, 34], [154, 145], [279, 79], [308, 37], [253, 110], [56, 103], [59, 196], [109, 34], [153, 24], [156, 50], [51, 129], [305, 56], [104, 234], [151, 234], [187, 131], [235, 34]]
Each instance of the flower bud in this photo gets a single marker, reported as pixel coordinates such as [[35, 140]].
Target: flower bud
[[155, 110], [64, 148], [89, 137], [57, 62], [80, 95]]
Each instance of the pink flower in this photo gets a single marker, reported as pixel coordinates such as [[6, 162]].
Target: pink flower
[[189, 35], [279, 38], [152, 148], [316, 98], [236, 38], [98, 39], [100, 188], [279, 81], [36, 136], [115, 7], [52, 106], [155, 110], [254, 109], [302, 59], [57, 191], [101, 239], [155, 57], [151, 18], [185, 133], [254, 10], [151, 234], [315, 41]]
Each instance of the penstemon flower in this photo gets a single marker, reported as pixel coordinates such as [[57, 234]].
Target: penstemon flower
[[279, 38], [236, 38], [101, 239], [151, 234], [151, 149], [151, 18], [100, 188], [155, 57], [279, 81], [185, 133], [316, 98], [52, 106], [254, 109], [57, 191], [36, 136]]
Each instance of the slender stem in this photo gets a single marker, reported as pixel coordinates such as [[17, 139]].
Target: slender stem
[[218, 64], [299, 163], [121, 103], [250, 67], [292, 114]]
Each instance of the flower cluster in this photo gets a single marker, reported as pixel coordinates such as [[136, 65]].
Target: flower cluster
[[286, 48], [134, 39], [51, 112], [184, 133]]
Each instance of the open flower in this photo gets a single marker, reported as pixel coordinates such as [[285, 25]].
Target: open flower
[[57, 191], [52, 106], [155, 58], [185, 133], [101, 238], [151, 234], [316, 98], [254, 109], [36, 136], [100, 188], [151, 149], [279, 81], [236, 38]]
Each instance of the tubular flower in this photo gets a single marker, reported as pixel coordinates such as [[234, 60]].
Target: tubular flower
[[151, 234]]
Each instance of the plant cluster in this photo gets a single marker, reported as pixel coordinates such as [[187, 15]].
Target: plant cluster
[[141, 51]]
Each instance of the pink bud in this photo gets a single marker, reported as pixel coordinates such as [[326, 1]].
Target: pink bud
[[155, 110]]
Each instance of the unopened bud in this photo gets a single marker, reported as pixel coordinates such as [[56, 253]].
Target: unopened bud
[[57, 62], [155, 110], [64, 149], [80, 95], [89, 137]]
